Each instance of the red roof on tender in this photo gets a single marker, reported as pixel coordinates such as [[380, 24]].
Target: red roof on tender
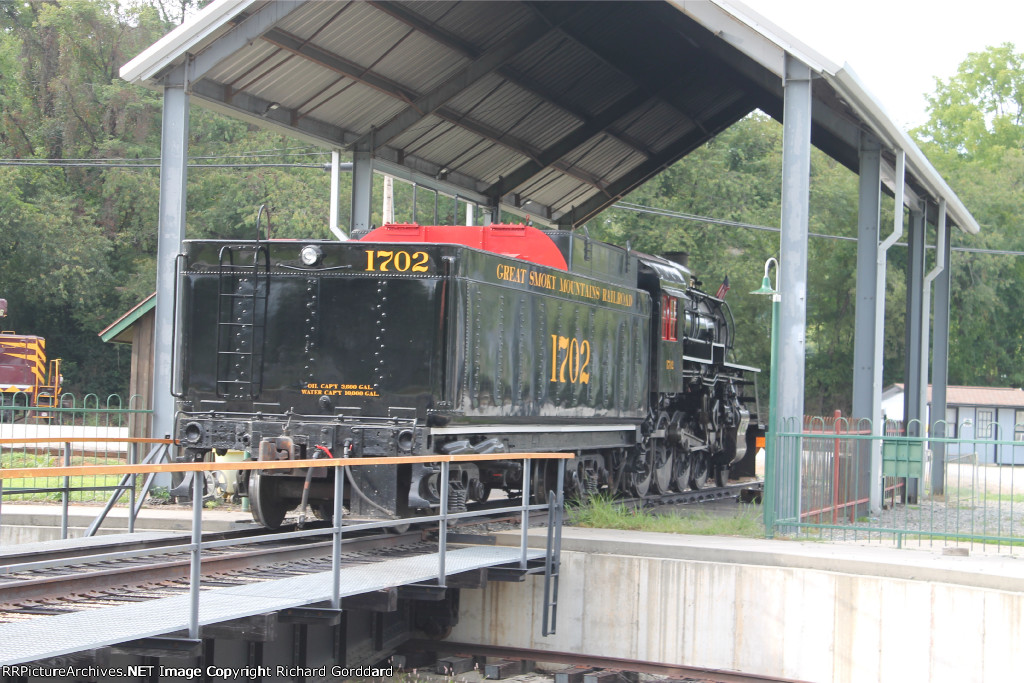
[[516, 241]]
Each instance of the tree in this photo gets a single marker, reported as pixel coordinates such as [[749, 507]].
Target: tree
[[78, 244], [975, 136], [978, 111], [737, 177]]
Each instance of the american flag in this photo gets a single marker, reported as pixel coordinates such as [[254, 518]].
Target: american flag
[[723, 288]]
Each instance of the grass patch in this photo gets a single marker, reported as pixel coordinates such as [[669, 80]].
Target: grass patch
[[21, 459], [605, 513], [981, 496]]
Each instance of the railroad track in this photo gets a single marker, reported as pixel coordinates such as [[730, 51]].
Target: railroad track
[[64, 579], [579, 665], [77, 578], [746, 492]]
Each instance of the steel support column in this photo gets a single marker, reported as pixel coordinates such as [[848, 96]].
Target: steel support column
[[914, 383], [173, 176], [792, 283], [362, 192], [867, 395], [940, 361], [878, 426], [335, 181], [490, 214], [796, 173]]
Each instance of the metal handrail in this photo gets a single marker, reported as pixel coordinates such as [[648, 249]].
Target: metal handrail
[[196, 545]]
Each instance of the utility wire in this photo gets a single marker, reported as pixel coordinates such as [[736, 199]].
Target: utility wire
[[85, 164], [625, 206], [281, 152], [640, 208]]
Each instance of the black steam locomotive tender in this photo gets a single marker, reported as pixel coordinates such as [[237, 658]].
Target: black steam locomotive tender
[[422, 340]]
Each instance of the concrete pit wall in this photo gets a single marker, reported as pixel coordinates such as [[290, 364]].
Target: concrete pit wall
[[801, 611]]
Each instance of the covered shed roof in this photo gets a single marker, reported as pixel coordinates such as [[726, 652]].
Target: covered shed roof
[[120, 331], [553, 109]]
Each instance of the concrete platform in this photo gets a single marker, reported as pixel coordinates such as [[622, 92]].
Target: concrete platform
[[35, 522], [1001, 572], [804, 611]]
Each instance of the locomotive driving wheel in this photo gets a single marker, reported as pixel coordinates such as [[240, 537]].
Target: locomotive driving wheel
[[681, 455], [699, 467], [641, 471], [722, 475], [542, 479], [662, 452], [681, 470], [268, 508]]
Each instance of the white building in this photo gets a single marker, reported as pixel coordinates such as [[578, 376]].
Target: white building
[[986, 413]]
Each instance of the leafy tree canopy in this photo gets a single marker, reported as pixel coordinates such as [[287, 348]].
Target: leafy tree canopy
[[78, 243]]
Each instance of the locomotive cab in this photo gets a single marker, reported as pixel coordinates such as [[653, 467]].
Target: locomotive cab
[[698, 418]]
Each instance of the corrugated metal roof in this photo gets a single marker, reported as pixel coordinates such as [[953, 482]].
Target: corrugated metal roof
[[569, 105]]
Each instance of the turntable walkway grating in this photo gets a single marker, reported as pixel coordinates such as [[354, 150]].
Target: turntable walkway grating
[[66, 633]]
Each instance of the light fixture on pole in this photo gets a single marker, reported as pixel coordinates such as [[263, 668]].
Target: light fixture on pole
[[769, 444]]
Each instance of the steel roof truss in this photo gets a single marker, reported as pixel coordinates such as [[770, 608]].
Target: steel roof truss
[[574, 139], [515, 144], [627, 183], [439, 35], [258, 110], [454, 42], [248, 29], [486, 63], [584, 41], [329, 60], [351, 70]]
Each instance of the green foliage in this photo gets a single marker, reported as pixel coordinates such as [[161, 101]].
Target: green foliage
[[978, 111], [78, 244], [975, 135], [600, 512], [22, 459], [737, 177]]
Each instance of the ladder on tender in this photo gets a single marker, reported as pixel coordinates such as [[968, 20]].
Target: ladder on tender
[[241, 319]]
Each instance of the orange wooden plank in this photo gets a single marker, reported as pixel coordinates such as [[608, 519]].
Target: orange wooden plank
[[84, 439], [87, 470]]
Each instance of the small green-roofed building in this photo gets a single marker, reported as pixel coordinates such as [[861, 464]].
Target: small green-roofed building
[[136, 328]]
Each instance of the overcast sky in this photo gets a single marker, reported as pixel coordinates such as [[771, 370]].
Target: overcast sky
[[897, 47]]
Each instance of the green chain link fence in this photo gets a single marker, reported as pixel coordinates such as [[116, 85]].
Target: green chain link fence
[[842, 480], [44, 431]]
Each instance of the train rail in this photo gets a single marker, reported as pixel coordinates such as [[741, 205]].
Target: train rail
[[79, 580], [582, 663], [745, 491], [59, 572], [79, 574]]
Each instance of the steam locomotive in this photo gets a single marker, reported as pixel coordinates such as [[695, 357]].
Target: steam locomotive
[[421, 340]]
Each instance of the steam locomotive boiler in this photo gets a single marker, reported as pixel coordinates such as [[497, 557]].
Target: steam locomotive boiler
[[422, 340]]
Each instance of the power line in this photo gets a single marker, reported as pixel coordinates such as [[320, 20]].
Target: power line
[[86, 164], [625, 206], [258, 153], [668, 213], [640, 208]]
